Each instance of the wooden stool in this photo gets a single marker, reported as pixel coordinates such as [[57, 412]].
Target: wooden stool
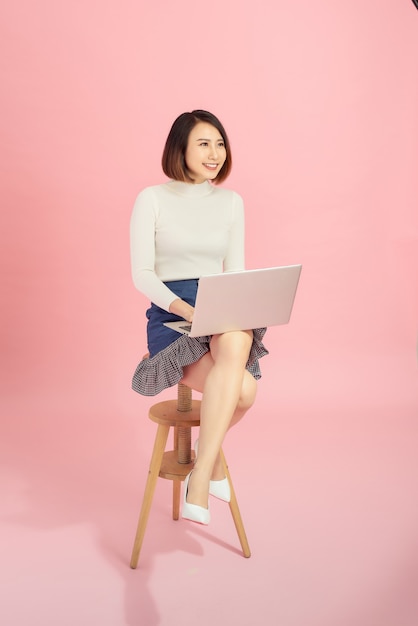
[[181, 414]]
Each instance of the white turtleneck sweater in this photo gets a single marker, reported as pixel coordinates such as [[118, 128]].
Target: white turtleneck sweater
[[181, 231]]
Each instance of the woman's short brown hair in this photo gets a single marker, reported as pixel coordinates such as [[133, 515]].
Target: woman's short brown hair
[[173, 160]]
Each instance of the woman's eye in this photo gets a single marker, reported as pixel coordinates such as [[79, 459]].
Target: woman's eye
[[204, 144]]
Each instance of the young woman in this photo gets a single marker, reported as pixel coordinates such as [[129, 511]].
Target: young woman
[[181, 230]]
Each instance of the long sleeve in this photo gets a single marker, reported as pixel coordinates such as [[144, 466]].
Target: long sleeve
[[142, 236]]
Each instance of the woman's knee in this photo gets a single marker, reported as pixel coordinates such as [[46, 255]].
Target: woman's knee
[[232, 345], [248, 392]]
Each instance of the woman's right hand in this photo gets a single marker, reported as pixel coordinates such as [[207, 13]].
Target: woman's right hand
[[182, 309]]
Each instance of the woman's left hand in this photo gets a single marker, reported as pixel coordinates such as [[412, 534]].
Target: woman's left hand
[[182, 309]]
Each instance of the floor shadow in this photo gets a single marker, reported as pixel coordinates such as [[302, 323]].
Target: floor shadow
[[82, 468]]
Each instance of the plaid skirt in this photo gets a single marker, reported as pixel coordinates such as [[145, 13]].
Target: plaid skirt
[[170, 352]]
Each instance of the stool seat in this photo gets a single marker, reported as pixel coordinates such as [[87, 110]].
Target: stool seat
[[182, 415]]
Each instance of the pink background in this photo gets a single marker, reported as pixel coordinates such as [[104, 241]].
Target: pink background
[[320, 100]]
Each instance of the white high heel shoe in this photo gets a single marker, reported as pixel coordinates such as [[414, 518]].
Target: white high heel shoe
[[193, 512], [218, 488]]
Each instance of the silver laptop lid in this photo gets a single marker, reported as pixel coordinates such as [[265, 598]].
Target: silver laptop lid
[[244, 300]]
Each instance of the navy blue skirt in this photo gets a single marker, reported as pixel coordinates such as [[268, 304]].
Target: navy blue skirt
[[170, 351], [158, 335]]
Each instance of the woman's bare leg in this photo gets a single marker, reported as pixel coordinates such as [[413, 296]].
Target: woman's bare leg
[[195, 376], [228, 391]]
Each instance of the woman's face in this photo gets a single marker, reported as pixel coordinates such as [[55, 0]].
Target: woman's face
[[205, 152]]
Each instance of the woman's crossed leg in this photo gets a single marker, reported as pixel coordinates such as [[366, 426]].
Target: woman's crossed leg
[[228, 390]]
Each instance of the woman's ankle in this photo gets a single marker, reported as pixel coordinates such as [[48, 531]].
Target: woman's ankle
[[218, 472]]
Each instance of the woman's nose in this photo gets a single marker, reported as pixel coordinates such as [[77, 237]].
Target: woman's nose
[[213, 154]]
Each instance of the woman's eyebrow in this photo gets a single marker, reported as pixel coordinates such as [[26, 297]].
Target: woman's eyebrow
[[203, 139]]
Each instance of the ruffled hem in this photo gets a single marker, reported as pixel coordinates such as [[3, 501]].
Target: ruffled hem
[[165, 369]]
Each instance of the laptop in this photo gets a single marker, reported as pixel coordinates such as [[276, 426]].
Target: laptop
[[242, 300]]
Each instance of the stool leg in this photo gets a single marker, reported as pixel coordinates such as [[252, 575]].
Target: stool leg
[[154, 470], [236, 515], [176, 499], [182, 445]]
